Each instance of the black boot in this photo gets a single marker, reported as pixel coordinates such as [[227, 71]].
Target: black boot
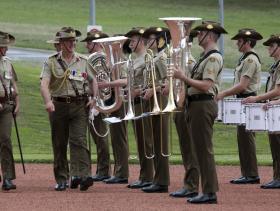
[[8, 184]]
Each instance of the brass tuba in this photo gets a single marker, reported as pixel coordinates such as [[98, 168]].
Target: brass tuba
[[107, 69], [177, 55]]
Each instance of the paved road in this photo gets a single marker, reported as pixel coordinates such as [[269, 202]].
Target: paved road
[[39, 56]]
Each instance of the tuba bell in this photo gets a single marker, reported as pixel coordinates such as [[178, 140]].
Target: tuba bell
[[107, 69], [177, 55]]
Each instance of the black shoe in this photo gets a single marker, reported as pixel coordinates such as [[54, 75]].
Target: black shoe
[[207, 198], [98, 178], [274, 184], [86, 183], [116, 180], [8, 184], [61, 186], [246, 180], [74, 182], [139, 184], [153, 188], [183, 192]]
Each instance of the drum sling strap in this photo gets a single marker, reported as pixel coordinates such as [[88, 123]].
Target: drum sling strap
[[201, 60], [271, 71]]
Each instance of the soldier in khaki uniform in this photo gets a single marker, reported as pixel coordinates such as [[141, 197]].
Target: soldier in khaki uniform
[[157, 39], [66, 80], [142, 126], [202, 108], [101, 139], [117, 130], [246, 83], [191, 177], [9, 106], [273, 94]]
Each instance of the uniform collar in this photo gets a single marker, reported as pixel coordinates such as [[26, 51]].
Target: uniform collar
[[75, 58]]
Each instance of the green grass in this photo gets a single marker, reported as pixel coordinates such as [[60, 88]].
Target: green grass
[[35, 131], [35, 21]]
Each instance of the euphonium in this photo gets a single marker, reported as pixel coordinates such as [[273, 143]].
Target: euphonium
[[107, 69], [177, 55]]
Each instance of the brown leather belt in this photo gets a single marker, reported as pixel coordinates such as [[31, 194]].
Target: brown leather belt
[[69, 99], [200, 97]]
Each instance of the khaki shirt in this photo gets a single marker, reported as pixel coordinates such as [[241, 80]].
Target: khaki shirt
[[8, 75], [251, 68], [78, 70], [274, 78], [138, 70], [208, 69], [160, 67]]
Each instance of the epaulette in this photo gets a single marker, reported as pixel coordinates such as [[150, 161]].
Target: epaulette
[[7, 58], [54, 55], [81, 56]]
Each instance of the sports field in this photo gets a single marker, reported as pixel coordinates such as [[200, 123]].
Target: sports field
[[35, 21]]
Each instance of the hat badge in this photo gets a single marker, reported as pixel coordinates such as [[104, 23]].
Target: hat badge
[[159, 29], [72, 33], [96, 35], [209, 26], [247, 33], [141, 31]]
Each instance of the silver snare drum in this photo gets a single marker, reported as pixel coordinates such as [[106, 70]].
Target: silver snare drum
[[233, 111], [273, 118], [256, 117]]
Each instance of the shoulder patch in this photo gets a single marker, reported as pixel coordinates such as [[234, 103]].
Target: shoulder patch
[[212, 59], [250, 60]]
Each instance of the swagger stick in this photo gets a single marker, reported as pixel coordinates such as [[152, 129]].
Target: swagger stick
[[19, 145]]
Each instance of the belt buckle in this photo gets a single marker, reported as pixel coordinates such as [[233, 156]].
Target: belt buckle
[[68, 99]]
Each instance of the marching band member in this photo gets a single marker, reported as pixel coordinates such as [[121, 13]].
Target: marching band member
[[246, 83], [191, 177], [144, 141], [273, 94], [103, 169], [157, 38], [202, 108]]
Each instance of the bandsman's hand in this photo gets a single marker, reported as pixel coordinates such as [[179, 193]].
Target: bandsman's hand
[[148, 93], [1, 106], [92, 102], [173, 71], [16, 110], [266, 105], [50, 106], [220, 96], [102, 85], [251, 99]]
